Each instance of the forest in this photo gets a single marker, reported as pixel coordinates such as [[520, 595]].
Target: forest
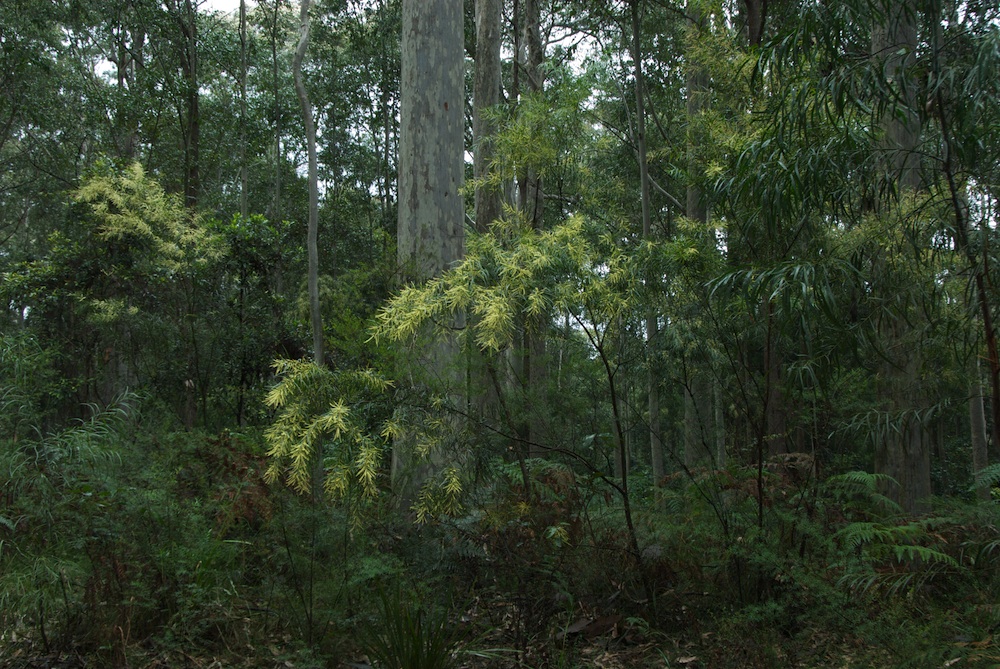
[[429, 334]]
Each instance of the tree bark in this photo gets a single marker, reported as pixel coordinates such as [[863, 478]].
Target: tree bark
[[431, 233], [532, 200], [652, 382], [188, 23], [532, 205], [243, 109], [756, 17], [275, 213], [977, 426], [903, 453], [697, 394], [431, 143], [315, 315], [486, 96]]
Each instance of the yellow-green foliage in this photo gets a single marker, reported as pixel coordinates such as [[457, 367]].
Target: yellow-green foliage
[[515, 275], [441, 496], [313, 421], [131, 207]]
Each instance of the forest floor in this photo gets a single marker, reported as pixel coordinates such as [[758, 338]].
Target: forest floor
[[610, 643]]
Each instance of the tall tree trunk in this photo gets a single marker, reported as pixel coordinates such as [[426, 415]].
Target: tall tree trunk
[[431, 143], [695, 403], [274, 212], [243, 108], [903, 453], [187, 21], [486, 96], [484, 393], [431, 233], [315, 315], [756, 16], [532, 205], [532, 200], [652, 382]]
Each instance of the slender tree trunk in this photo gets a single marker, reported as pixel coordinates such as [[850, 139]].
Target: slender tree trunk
[[275, 213], [775, 413], [720, 428], [532, 195], [977, 425], [652, 382], [484, 393], [695, 209], [960, 208], [315, 315], [188, 24], [243, 108], [486, 96], [532, 204]]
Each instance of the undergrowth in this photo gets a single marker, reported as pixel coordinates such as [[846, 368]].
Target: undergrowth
[[125, 539]]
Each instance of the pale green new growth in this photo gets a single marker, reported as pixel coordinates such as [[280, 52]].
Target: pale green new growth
[[312, 415], [132, 207], [440, 496], [515, 275]]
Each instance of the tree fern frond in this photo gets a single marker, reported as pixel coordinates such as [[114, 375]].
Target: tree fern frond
[[856, 535], [989, 475]]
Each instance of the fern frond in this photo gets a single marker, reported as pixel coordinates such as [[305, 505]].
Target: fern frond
[[911, 553], [856, 535], [987, 476]]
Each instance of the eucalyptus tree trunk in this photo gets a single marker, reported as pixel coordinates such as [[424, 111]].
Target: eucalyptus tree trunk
[[486, 95], [315, 315], [243, 108], [532, 205], [756, 16], [128, 61], [187, 22], [431, 142], [275, 213], [532, 195], [483, 379], [431, 233], [697, 391], [652, 382], [902, 452]]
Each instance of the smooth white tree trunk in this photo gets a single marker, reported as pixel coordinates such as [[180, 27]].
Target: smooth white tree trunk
[[431, 142], [431, 224]]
